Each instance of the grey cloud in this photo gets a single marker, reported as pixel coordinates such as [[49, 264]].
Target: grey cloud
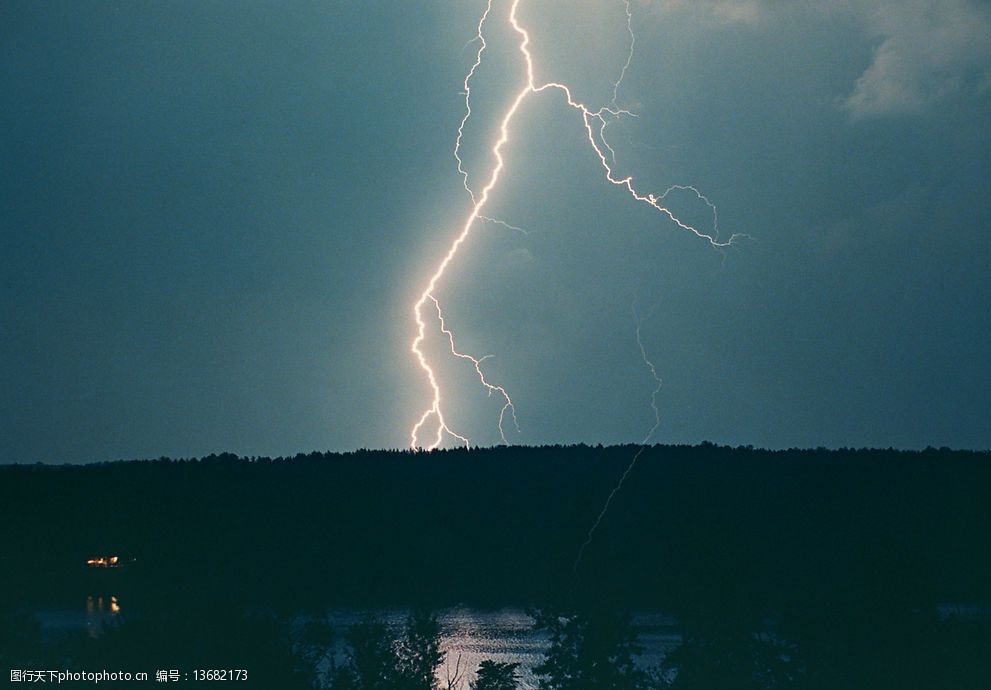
[[928, 50], [718, 11]]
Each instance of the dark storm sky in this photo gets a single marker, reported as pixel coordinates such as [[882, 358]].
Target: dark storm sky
[[215, 218]]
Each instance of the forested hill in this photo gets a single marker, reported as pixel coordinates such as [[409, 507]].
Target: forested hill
[[692, 526]]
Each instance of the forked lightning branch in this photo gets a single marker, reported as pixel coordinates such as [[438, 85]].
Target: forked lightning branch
[[431, 428]]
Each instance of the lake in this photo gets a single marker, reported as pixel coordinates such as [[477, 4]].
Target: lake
[[468, 636]]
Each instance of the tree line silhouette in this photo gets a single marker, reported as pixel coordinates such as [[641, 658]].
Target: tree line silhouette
[[792, 569], [597, 649]]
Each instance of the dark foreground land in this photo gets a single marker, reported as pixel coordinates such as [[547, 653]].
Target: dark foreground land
[[804, 569]]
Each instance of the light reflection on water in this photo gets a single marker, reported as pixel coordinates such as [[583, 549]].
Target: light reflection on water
[[469, 636], [98, 612]]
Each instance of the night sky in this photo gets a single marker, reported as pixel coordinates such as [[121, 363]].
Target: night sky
[[216, 217]]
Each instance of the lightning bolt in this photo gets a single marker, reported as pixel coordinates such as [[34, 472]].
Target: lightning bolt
[[619, 80], [507, 402], [482, 45], [643, 444], [629, 55], [602, 116], [478, 202]]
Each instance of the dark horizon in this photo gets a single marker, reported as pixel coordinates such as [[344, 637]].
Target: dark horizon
[[928, 508], [483, 449], [855, 556]]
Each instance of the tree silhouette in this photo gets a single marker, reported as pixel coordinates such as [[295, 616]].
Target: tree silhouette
[[592, 651], [371, 664], [494, 675], [849, 555], [377, 661], [746, 661], [418, 653]]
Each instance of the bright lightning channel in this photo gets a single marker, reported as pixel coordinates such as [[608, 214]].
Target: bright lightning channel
[[603, 116]]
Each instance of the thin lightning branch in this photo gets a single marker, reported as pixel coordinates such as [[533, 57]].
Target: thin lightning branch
[[629, 56], [619, 80], [507, 402], [705, 200], [653, 375], [643, 443], [479, 201], [466, 92], [504, 224], [605, 122], [482, 45], [587, 116]]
